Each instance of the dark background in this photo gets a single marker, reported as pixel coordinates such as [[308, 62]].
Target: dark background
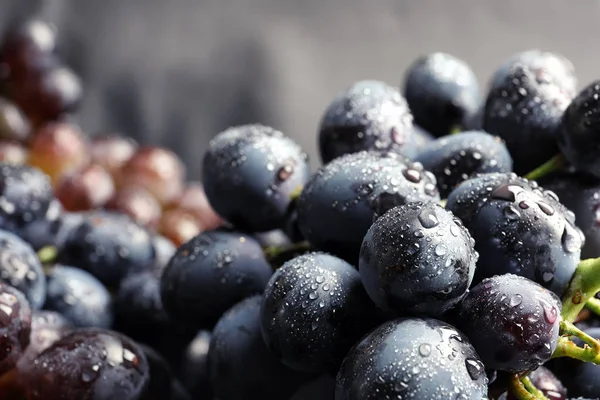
[[176, 72]]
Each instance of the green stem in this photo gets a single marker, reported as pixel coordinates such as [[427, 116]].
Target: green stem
[[518, 387], [553, 164], [296, 193], [443, 202], [274, 251], [47, 254], [567, 328], [593, 305], [566, 348], [532, 389], [583, 286], [456, 129]]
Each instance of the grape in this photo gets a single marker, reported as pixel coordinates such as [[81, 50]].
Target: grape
[[179, 225], [87, 364], [15, 326], [194, 366], [138, 203], [112, 151], [87, 188], [193, 199], [58, 149], [13, 123], [46, 328], [13, 153], [157, 169], [27, 47]]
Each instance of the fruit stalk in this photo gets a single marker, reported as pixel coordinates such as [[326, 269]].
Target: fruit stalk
[[593, 305], [524, 389], [553, 164], [583, 286]]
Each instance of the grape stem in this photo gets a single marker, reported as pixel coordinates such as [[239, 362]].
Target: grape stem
[[524, 389], [443, 202], [593, 305], [567, 328], [583, 286], [47, 254], [275, 251], [553, 164], [456, 129], [566, 348]]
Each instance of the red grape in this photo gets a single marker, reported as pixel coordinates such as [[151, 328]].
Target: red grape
[[138, 203], [58, 149], [87, 188], [157, 169], [112, 151], [179, 225], [193, 199]]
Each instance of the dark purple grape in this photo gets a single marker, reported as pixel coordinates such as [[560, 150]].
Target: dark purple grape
[[512, 322], [250, 174], [441, 91], [25, 197], [160, 384], [87, 364], [519, 228], [211, 273], [417, 258], [341, 200], [412, 359], [525, 110], [237, 339], [540, 61], [21, 268], [456, 158], [79, 297], [109, 246], [578, 135], [194, 366], [314, 309], [52, 230], [15, 326], [27, 47], [368, 115]]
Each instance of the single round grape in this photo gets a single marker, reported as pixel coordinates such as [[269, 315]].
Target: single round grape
[[157, 169], [13, 123], [26, 197], [251, 173], [211, 273], [21, 269], [456, 158], [48, 95], [58, 149], [412, 358], [87, 188], [193, 199], [27, 47], [87, 363], [368, 115], [519, 228], [46, 328], [417, 258], [340, 201], [109, 246], [314, 310], [112, 151], [442, 92], [138, 203], [512, 322], [13, 152], [543, 62], [179, 225], [235, 340], [79, 297]]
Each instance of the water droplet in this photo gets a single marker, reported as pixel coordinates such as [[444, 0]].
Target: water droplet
[[364, 188], [474, 368], [546, 208], [441, 249], [400, 386], [547, 276], [425, 350], [284, 173], [571, 241], [511, 213], [550, 312], [524, 205], [428, 219], [507, 192], [90, 373], [313, 295], [515, 300], [412, 175], [419, 233], [320, 279]]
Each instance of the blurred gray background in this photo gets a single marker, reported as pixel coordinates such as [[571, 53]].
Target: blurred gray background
[[177, 72]]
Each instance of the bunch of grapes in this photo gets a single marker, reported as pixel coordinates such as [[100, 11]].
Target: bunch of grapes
[[421, 261]]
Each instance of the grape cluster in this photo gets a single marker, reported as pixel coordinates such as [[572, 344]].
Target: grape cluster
[[421, 261]]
